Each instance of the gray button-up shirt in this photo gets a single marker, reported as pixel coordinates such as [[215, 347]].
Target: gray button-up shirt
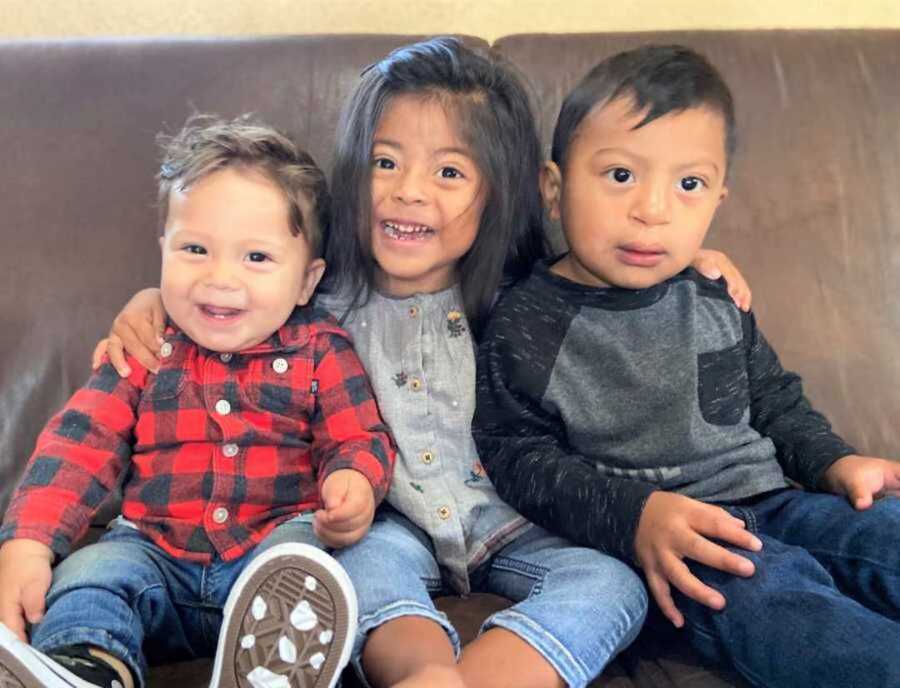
[[419, 354]]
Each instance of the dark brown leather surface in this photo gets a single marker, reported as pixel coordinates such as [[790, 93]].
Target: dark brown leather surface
[[813, 218]]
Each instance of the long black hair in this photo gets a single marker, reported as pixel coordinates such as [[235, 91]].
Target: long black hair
[[491, 107]]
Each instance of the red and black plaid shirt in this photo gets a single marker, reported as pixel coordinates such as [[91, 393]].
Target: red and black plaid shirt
[[216, 449]]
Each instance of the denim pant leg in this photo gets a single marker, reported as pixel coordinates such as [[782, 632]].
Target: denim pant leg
[[113, 595], [394, 572], [574, 605], [788, 625], [860, 549]]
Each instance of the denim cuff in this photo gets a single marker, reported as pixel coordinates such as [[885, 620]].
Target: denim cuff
[[100, 639], [393, 611]]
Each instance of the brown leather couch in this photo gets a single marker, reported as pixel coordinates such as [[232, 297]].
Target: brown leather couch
[[813, 218]]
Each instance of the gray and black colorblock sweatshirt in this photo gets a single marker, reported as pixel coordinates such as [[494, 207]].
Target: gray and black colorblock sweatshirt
[[590, 399]]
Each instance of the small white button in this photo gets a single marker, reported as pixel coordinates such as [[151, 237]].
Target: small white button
[[223, 408], [165, 350], [415, 384], [230, 450], [413, 311], [220, 515], [280, 366], [427, 457], [225, 357], [444, 512]]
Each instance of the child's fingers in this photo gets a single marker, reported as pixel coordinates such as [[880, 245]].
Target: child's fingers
[[116, 352], [707, 552], [33, 600], [99, 353], [678, 574], [11, 617], [662, 593]]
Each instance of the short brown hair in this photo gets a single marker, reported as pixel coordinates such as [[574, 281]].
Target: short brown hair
[[207, 144]]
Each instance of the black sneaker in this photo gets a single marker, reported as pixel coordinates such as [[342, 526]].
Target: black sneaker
[[289, 622], [21, 666]]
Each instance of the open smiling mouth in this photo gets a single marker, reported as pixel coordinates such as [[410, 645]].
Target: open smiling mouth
[[406, 232], [220, 313]]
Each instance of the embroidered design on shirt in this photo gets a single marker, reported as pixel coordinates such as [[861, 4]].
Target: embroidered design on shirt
[[476, 475], [400, 378], [417, 487], [455, 325]]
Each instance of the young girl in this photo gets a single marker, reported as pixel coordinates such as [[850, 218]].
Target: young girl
[[435, 196]]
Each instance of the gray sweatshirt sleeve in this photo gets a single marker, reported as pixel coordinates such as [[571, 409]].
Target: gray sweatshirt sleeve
[[806, 447], [524, 451]]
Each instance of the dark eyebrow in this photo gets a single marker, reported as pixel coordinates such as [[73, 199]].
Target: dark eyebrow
[[440, 151]]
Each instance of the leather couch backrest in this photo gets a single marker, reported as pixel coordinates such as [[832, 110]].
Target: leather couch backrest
[[813, 218]]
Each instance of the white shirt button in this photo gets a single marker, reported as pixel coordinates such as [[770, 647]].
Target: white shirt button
[[280, 366], [220, 515], [165, 350], [444, 512], [415, 384], [223, 408], [225, 357], [230, 450], [427, 457], [413, 311]]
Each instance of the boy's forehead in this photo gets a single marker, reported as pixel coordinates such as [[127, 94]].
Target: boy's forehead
[[618, 123]]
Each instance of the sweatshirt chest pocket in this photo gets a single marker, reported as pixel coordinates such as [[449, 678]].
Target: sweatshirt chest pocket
[[281, 385], [722, 388]]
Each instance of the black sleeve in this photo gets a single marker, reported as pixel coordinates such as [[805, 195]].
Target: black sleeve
[[523, 448], [806, 447]]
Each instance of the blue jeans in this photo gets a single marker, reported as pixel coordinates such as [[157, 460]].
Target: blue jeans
[[822, 609], [574, 605], [127, 596]]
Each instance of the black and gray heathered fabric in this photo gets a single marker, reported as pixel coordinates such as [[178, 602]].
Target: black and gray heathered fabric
[[590, 399]]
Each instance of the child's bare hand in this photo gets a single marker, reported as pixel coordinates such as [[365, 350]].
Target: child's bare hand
[[863, 479], [25, 576], [137, 330], [715, 264], [673, 528], [349, 508]]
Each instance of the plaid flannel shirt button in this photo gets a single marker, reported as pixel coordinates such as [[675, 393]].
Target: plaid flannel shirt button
[[223, 408], [230, 450], [166, 349], [220, 515], [225, 357], [280, 366]]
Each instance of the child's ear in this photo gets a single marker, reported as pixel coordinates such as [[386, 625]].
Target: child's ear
[[311, 277], [551, 188], [723, 194]]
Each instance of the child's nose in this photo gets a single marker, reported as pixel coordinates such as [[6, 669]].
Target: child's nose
[[653, 204], [221, 275], [410, 188]]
